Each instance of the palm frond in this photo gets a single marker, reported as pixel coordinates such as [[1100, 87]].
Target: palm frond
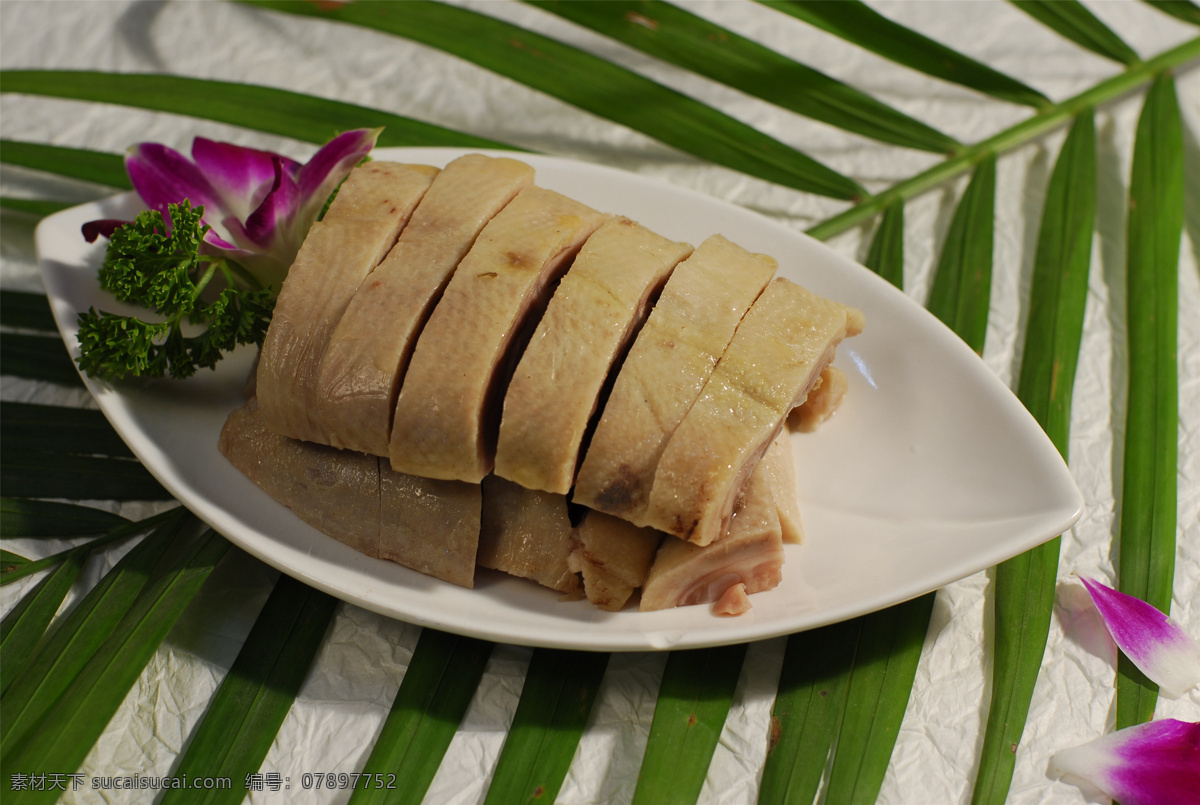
[[844, 688]]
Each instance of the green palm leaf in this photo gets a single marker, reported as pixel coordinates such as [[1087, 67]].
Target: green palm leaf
[[693, 702], [592, 84], [76, 163], [807, 714], [1185, 10], [58, 429], [245, 714], [560, 687], [1150, 477], [1024, 586], [47, 518], [275, 111], [48, 672], [442, 676], [858, 23], [674, 35], [38, 357], [24, 625], [62, 738], [1071, 19], [29, 311]]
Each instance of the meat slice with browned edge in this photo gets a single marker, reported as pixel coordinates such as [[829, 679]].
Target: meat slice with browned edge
[[784, 342], [596, 309], [368, 354], [447, 411], [665, 371], [749, 553], [361, 225]]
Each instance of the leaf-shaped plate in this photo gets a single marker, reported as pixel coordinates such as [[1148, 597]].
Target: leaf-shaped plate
[[931, 471]]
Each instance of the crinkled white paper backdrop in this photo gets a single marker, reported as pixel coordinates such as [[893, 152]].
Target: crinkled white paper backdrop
[[343, 702]]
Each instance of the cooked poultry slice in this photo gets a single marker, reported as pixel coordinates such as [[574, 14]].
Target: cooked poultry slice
[[599, 304], [614, 556], [359, 228], [448, 408], [749, 553], [665, 371], [779, 464], [526, 533], [784, 342], [429, 526], [335, 492], [369, 351], [822, 402]]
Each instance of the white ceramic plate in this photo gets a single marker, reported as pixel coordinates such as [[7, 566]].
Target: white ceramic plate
[[931, 471]]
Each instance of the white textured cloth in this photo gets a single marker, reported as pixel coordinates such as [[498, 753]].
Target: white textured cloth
[[348, 692]]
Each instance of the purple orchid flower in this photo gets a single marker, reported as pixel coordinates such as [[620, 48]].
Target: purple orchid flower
[[260, 205], [1152, 641], [1157, 763]]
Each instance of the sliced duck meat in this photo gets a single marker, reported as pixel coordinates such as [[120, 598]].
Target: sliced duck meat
[[428, 526], [776, 356], [447, 412], [369, 351], [335, 492], [613, 556], [596, 309], [749, 553], [526, 533], [666, 369], [358, 229], [822, 401], [779, 464]]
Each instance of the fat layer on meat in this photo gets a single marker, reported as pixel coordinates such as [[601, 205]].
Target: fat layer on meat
[[595, 310], [750, 552], [526, 533], [663, 374], [613, 556], [429, 526], [786, 339], [369, 351], [447, 411], [358, 229]]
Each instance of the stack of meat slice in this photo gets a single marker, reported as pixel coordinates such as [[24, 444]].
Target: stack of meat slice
[[465, 369]]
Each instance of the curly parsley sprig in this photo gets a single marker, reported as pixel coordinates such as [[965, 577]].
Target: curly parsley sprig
[[161, 268]]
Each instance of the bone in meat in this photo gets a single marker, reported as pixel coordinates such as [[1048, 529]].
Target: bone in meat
[[595, 310], [750, 553], [447, 410], [369, 351], [786, 339], [359, 228], [526, 533], [665, 371]]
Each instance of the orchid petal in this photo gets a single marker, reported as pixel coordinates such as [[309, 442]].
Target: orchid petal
[[163, 176], [1152, 641], [1157, 763], [321, 175], [103, 227], [242, 176]]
